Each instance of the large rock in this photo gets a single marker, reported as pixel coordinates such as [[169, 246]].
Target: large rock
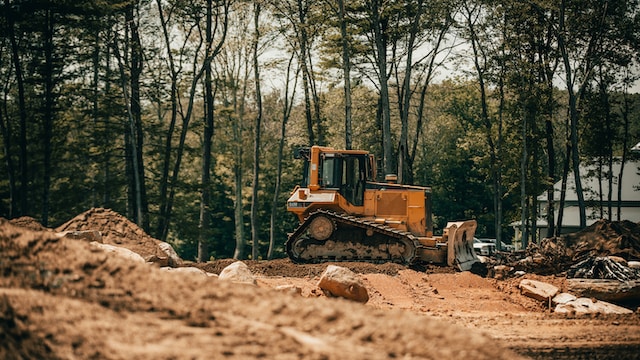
[[342, 282], [238, 272], [563, 298], [119, 251], [189, 270], [161, 261], [87, 235], [174, 258], [590, 306], [537, 289]]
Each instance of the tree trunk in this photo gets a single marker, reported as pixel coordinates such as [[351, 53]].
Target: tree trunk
[[48, 114], [162, 228], [319, 124], [379, 25], [573, 117], [5, 130], [210, 51], [237, 171], [422, 104], [604, 96], [405, 102], [17, 65], [106, 200], [625, 143], [303, 40], [488, 126], [205, 191], [551, 171], [563, 187], [135, 116], [133, 190], [286, 113], [95, 100], [546, 63], [255, 203], [497, 197], [346, 70]]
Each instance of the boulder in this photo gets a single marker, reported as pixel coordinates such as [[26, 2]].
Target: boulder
[[290, 289], [238, 272], [87, 235], [537, 289], [563, 298], [161, 261], [174, 258], [119, 251], [341, 282], [189, 270], [590, 306]]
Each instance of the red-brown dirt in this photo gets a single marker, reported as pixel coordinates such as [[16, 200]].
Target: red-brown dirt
[[62, 298]]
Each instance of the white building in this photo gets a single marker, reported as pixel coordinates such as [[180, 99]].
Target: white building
[[596, 194]]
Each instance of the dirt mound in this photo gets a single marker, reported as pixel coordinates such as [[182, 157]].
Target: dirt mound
[[116, 230], [606, 238], [29, 223], [64, 298]]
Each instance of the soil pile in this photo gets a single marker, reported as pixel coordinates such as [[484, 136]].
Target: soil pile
[[605, 238], [29, 223], [64, 298], [116, 230]]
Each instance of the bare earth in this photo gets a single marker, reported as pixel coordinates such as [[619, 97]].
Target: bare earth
[[64, 298]]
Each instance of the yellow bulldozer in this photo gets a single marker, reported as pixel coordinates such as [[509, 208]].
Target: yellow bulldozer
[[346, 215]]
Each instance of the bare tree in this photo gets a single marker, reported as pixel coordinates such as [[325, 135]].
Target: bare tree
[[482, 52], [130, 69], [205, 183], [203, 53], [296, 15], [287, 106]]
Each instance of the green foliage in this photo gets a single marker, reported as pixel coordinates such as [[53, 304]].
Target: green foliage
[[453, 159], [89, 113]]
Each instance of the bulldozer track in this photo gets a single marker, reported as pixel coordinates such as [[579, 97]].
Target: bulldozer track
[[353, 239]]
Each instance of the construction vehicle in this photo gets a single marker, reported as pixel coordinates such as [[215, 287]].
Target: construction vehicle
[[346, 215]]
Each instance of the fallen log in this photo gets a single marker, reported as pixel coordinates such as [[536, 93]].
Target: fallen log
[[607, 290], [606, 267]]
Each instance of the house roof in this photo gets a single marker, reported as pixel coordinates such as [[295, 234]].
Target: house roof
[[593, 184]]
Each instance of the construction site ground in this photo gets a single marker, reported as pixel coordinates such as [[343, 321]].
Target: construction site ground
[[62, 298]]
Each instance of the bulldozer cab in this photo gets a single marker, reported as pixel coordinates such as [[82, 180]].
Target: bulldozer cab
[[346, 173]]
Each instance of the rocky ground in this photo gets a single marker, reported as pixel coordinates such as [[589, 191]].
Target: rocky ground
[[68, 298]]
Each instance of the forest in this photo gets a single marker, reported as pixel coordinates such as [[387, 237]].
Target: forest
[[183, 115]]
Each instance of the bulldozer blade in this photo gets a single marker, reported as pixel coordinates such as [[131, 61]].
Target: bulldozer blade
[[460, 251]]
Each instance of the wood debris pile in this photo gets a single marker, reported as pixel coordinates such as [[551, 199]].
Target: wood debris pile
[[602, 239], [603, 267]]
